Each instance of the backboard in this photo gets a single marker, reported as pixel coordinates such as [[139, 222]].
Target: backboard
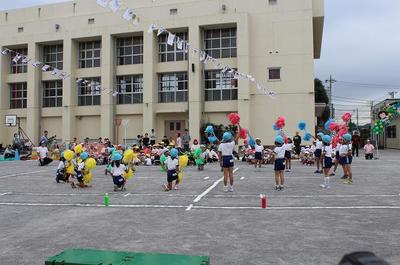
[[10, 121]]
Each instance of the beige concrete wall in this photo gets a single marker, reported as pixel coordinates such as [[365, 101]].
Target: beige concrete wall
[[135, 123], [284, 35]]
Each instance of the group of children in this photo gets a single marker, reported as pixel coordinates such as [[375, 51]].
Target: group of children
[[121, 165]]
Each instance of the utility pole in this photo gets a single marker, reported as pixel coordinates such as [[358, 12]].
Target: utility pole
[[330, 81], [392, 94], [357, 117]]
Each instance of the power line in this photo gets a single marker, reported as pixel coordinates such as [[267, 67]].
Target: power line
[[368, 84]]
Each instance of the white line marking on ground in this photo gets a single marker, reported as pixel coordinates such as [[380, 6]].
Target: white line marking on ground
[[90, 205], [296, 207], [189, 207], [242, 178], [206, 178], [198, 198], [6, 193], [100, 194], [304, 196], [199, 207], [21, 174]]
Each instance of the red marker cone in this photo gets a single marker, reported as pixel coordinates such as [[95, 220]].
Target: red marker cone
[[263, 201]]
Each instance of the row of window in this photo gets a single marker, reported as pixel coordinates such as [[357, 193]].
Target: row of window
[[173, 87], [218, 43]]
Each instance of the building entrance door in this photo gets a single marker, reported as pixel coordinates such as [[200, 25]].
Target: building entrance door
[[172, 128]]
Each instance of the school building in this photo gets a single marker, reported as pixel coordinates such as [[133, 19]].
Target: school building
[[160, 86]]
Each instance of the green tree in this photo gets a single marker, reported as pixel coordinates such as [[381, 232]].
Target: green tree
[[320, 93]]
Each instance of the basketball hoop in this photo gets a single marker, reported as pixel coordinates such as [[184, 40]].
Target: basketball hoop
[[10, 121]]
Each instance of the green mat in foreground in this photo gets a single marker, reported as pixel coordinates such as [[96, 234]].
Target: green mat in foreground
[[103, 257]]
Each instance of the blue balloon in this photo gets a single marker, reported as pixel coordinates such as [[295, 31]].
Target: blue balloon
[[307, 137], [84, 156], [212, 139], [251, 141], [209, 129], [327, 124], [116, 157], [279, 139], [302, 125], [275, 128]]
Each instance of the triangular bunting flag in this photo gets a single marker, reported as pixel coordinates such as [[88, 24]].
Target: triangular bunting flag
[[114, 5], [103, 3]]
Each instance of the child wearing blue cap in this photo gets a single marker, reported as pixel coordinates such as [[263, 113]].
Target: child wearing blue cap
[[172, 166], [345, 152], [318, 152], [225, 151], [79, 171], [279, 163], [117, 172], [326, 160]]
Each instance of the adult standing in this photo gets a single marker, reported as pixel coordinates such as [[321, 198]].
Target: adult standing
[[153, 137], [146, 140], [356, 139], [44, 160], [17, 143], [297, 143], [179, 142], [44, 139], [369, 150], [186, 141]]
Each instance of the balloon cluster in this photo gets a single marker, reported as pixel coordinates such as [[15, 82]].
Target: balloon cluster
[[210, 134], [338, 130], [386, 117], [90, 163], [278, 128], [303, 127]]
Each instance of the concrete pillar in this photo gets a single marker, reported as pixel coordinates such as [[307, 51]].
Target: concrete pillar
[[33, 99], [244, 67], [107, 80], [4, 92], [196, 98], [150, 81], [70, 90]]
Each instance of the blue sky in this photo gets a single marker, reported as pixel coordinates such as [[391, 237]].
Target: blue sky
[[360, 48]]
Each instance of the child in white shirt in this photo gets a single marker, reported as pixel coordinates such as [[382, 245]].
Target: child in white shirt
[[279, 163], [172, 166], [259, 153]]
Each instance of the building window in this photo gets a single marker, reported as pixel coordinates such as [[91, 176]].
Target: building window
[[53, 56], [89, 93], [173, 11], [130, 89], [18, 95], [89, 54], [173, 87], [391, 132], [19, 67], [220, 43], [274, 73], [272, 2], [171, 53], [220, 86], [52, 94], [130, 50]]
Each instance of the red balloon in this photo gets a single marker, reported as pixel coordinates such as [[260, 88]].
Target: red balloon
[[234, 118]]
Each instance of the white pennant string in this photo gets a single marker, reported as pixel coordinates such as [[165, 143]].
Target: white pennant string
[[16, 58], [160, 31], [5, 51], [26, 60], [179, 43], [114, 5], [46, 67], [152, 28], [171, 38], [103, 3], [203, 56], [129, 14], [55, 72], [36, 64]]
